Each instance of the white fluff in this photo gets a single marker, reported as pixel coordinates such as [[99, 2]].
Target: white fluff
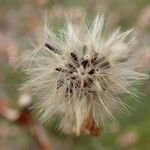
[[81, 72]]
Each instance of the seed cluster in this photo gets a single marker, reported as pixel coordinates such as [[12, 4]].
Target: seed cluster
[[81, 72]]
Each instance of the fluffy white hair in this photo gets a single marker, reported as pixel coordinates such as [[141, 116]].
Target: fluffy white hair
[[80, 73]]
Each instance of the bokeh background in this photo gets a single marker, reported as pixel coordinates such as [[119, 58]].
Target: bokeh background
[[18, 20]]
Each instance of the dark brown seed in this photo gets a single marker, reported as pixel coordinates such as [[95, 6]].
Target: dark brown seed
[[93, 60], [85, 63], [91, 71], [71, 67], [59, 69], [73, 77], [87, 82], [96, 60], [70, 88], [60, 83], [51, 48], [105, 65], [75, 58]]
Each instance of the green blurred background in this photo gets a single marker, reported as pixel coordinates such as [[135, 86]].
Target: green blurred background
[[20, 18]]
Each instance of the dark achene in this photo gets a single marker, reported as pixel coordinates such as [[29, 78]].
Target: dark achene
[[72, 70]]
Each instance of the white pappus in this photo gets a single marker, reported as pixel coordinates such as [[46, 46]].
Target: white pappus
[[80, 73]]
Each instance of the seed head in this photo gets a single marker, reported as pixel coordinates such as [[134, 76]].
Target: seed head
[[79, 75]]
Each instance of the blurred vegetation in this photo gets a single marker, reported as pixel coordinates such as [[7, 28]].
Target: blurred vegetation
[[19, 18]]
